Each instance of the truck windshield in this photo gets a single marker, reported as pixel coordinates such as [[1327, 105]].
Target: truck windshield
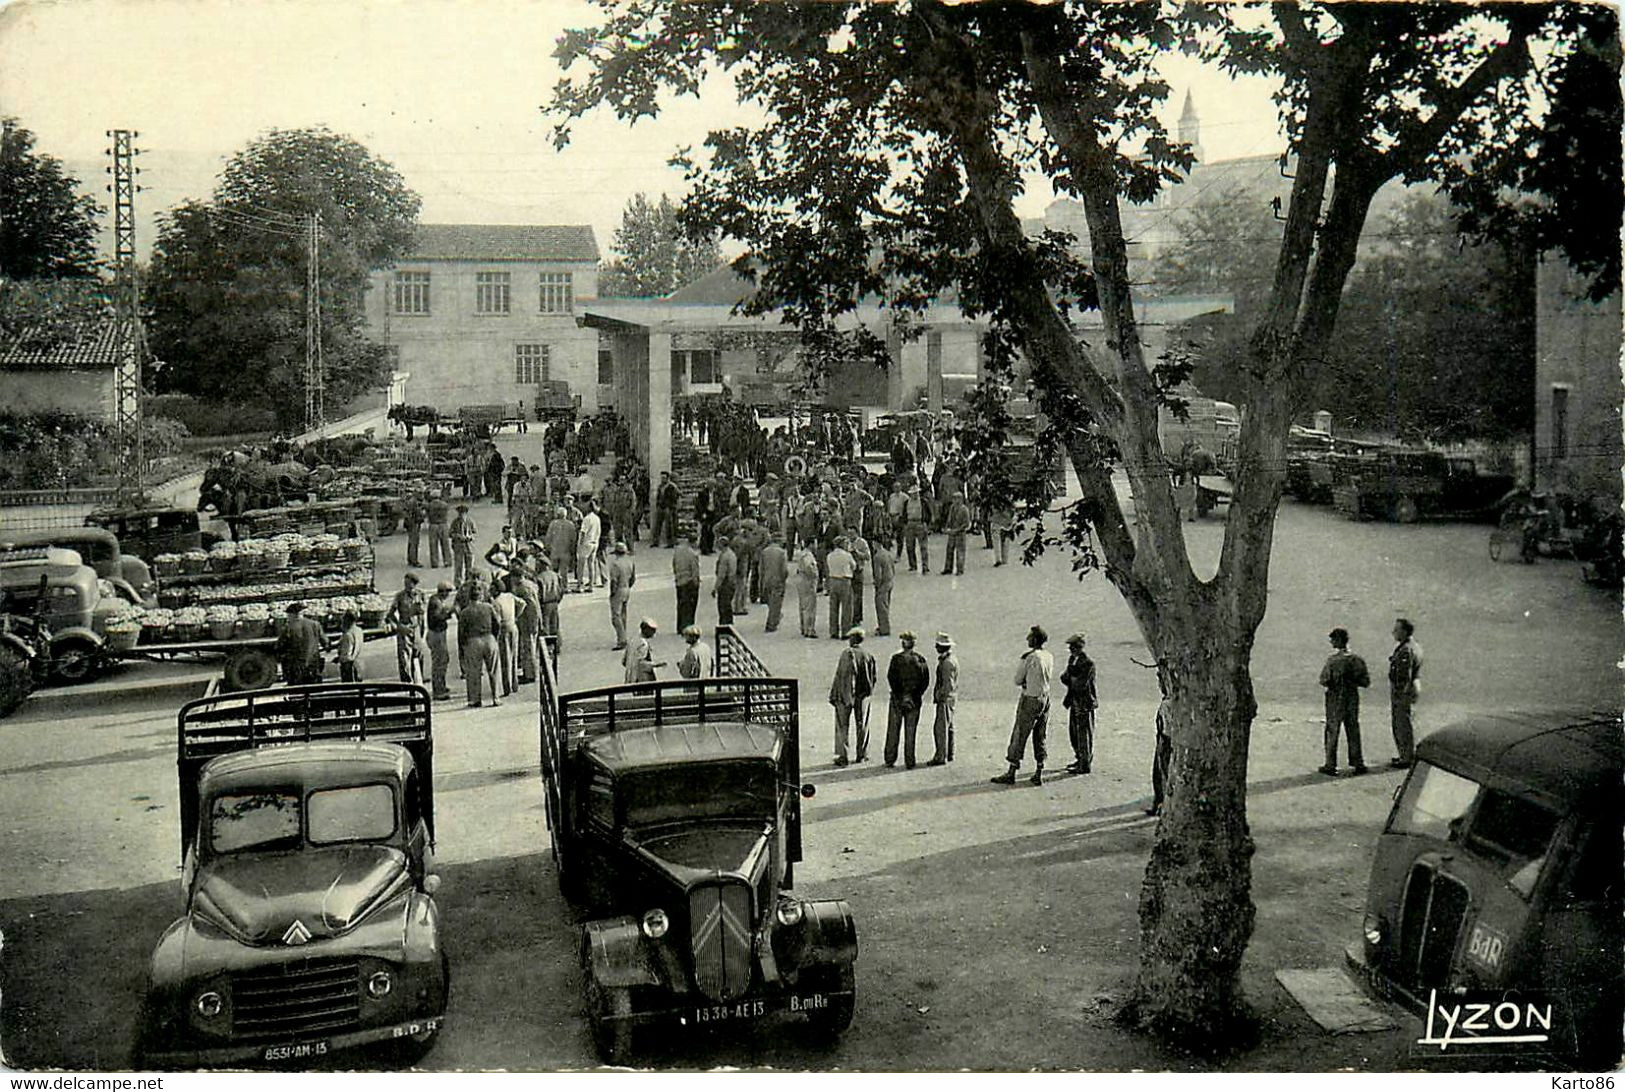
[[262, 820], [1517, 834], [724, 791], [1434, 803], [359, 813]]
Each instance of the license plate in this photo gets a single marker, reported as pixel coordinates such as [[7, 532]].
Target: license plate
[[738, 1010], [1486, 946], [291, 1052]]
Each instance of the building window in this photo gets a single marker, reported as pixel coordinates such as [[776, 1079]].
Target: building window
[[491, 293], [530, 364], [701, 364], [1560, 422], [558, 295], [606, 368], [411, 293]]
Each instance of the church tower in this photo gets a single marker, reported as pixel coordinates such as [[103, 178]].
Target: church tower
[[1190, 127]]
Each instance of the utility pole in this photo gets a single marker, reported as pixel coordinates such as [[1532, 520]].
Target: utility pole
[[127, 320], [315, 410]]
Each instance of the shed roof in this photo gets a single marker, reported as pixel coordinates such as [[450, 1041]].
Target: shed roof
[[88, 344], [505, 243]]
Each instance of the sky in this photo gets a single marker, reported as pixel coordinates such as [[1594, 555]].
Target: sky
[[449, 91]]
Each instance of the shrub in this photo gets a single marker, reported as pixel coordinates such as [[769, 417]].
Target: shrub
[[204, 418]]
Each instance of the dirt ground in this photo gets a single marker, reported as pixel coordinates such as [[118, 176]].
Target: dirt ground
[[997, 926]]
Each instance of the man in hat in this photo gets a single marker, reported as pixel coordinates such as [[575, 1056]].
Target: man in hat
[[477, 626], [666, 500], [849, 693], [908, 678], [944, 693], [915, 514], [406, 619], [699, 661], [530, 616], [1080, 703], [1034, 673], [623, 574], [463, 531], [299, 648], [956, 522], [438, 613], [775, 570], [1342, 675], [550, 592], [639, 658]]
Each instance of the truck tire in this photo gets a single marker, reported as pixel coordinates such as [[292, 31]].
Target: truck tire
[[15, 681], [1404, 509], [250, 669], [607, 1009], [828, 1023], [75, 660]]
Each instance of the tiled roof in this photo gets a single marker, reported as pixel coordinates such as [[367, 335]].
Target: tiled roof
[[720, 286], [88, 345], [505, 243]]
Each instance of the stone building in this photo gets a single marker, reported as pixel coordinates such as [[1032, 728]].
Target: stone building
[[1578, 448], [64, 372], [482, 313]]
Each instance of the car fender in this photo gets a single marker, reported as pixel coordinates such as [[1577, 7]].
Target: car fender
[[75, 633], [832, 933], [616, 955], [18, 645]]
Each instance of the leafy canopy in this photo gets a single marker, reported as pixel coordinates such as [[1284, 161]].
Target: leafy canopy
[[47, 228]]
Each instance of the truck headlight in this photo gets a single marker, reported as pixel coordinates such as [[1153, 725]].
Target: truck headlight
[[655, 924], [380, 984], [790, 912], [1373, 930], [209, 1004]]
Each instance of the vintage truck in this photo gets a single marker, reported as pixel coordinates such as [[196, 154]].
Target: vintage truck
[[1499, 873], [1405, 485], [675, 816], [307, 827]]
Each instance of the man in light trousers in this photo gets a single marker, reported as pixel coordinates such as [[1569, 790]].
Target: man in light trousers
[[1034, 674]]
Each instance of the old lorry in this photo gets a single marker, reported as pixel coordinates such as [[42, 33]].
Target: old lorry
[[1404, 485], [1499, 873], [675, 818], [307, 827]]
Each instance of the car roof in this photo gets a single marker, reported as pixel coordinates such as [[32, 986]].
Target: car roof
[[311, 765], [669, 745], [1564, 760]]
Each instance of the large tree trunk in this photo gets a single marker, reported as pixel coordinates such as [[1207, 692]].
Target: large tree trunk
[[1196, 908]]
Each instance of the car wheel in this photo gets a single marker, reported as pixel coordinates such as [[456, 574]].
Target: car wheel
[[1405, 510], [828, 1023], [609, 1009], [15, 681], [75, 660]]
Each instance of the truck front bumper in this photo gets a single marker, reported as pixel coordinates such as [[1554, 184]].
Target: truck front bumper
[[292, 1053]]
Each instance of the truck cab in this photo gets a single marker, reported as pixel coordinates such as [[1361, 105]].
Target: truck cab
[[674, 812], [65, 595], [99, 548], [1500, 868], [307, 827]]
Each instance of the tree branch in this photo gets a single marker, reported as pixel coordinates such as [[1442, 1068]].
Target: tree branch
[[1413, 146]]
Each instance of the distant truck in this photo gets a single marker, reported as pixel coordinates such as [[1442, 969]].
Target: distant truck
[[675, 818], [1406, 485], [307, 834]]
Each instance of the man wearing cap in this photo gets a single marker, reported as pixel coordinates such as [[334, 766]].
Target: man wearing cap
[[956, 522], [476, 635], [549, 591], [1080, 703], [412, 516], [1033, 675], [727, 573], [775, 570], [438, 513], [463, 531], [849, 693], [908, 678], [622, 575], [915, 514], [639, 659], [439, 612], [699, 661], [840, 566], [299, 648], [1342, 675], [666, 499], [945, 692], [530, 618], [405, 618]]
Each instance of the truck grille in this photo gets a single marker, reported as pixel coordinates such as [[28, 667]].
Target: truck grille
[[720, 929], [1429, 925], [313, 995]]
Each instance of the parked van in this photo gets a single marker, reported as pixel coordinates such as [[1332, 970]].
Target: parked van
[[1501, 868]]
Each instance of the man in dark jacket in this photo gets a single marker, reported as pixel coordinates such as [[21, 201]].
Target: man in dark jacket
[[666, 499], [299, 648], [1342, 676], [849, 694], [908, 678], [1079, 680]]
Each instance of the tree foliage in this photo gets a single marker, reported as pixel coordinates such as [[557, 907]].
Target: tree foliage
[[656, 257], [47, 228], [895, 141], [226, 296]]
